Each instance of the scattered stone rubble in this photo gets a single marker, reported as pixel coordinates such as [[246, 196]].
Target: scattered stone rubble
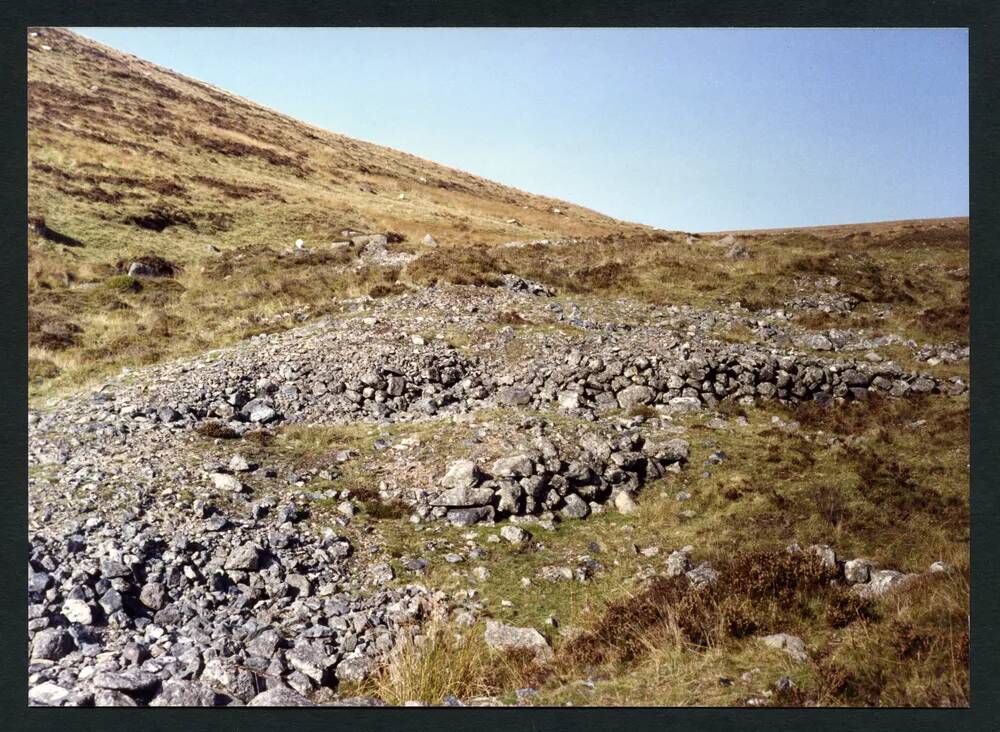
[[190, 611], [353, 368], [140, 595], [864, 576]]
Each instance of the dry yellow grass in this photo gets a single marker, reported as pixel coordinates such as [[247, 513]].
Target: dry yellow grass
[[447, 662], [114, 138], [128, 159]]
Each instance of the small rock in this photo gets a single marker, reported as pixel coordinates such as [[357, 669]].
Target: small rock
[[625, 504], [153, 595], [184, 693], [355, 668], [790, 644], [48, 694], [515, 534], [132, 681], [857, 570], [78, 611], [575, 508], [51, 644], [226, 482], [279, 696], [245, 557], [461, 474]]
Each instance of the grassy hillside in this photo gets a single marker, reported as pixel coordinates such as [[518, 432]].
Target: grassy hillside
[[120, 147], [128, 159]]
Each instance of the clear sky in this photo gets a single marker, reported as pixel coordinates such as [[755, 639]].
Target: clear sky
[[691, 129]]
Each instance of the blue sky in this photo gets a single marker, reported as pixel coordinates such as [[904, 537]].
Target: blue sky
[[692, 129]]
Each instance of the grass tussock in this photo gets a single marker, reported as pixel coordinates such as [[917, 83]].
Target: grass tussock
[[214, 429], [447, 662], [915, 655], [886, 415], [123, 283], [645, 411]]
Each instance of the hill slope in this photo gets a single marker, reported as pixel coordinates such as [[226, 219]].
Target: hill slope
[[116, 141], [716, 469], [128, 159]]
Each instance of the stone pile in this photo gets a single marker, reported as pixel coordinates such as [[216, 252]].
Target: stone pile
[[704, 378], [544, 480], [519, 284], [864, 576], [209, 609], [140, 592], [366, 368]]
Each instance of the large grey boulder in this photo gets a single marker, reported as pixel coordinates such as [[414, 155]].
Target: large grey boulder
[[815, 341], [51, 644], [313, 660], [111, 698], [78, 611], [47, 694], [632, 396], [514, 396], [883, 581], [464, 497], [461, 474], [181, 693], [857, 570], [596, 446], [154, 595], [470, 516], [226, 482], [671, 451], [245, 557], [515, 466], [224, 675], [509, 497], [738, 250], [678, 563], [515, 534], [685, 404], [265, 643], [575, 508], [702, 575], [569, 400], [132, 681], [355, 668], [625, 503], [825, 554], [259, 411], [510, 638]]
